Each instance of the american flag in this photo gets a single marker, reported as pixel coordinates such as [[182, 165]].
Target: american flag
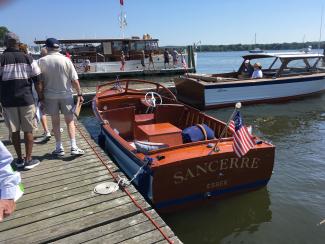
[[243, 140]]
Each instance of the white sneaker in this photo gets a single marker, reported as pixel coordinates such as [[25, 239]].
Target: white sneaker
[[77, 151], [46, 136], [58, 152]]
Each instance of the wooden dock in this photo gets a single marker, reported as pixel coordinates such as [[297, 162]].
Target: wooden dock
[[135, 73], [59, 204]]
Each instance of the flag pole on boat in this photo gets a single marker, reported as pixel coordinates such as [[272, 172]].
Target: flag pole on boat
[[216, 148], [122, 18]]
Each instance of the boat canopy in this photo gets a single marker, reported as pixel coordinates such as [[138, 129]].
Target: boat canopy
[[284, 55], [107, 49], [97, 40]]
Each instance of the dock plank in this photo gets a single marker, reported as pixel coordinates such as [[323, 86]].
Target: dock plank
[[107, 229], [59, 204], [127, 233]]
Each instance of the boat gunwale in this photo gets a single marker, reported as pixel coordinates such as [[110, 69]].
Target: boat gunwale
[[253, 82], [124, 143]]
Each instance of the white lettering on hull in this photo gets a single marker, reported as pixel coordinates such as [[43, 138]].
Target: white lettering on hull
[[215, 166]]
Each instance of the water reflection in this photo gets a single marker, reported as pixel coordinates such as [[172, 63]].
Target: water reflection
[[291, 207], [228, 218]]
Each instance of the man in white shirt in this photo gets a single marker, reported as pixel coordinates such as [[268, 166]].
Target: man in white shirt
[[59, 76], [257, 74]]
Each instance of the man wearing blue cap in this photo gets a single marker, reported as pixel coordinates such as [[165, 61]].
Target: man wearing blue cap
[[17, 73], [59, 77]]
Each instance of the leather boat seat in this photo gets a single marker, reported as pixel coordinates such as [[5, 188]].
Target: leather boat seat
[[144, 119], [169, 113], [122, 120]]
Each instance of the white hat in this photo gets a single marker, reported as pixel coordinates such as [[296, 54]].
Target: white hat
[[246, 61]]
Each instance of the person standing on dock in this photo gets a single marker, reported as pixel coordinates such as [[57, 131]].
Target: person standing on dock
[[42, 117], [10, 187], [175, 56], [166, 58], [59, 76], [17, 73], [122, 61], [87, 65], [143, 57], [151, 61]]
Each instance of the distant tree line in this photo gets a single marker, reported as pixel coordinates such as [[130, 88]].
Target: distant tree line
[[246, 47], [3, 31]]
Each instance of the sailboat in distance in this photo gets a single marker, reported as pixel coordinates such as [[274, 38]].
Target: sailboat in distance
[[256, 49]]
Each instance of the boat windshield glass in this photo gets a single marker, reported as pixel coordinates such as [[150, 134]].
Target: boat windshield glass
[[140, 45], [117, 45], [298, 63], [135, 86], [312, 61], [151, 45], [266, 62]]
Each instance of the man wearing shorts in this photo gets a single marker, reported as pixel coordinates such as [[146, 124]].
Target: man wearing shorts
[[166, 58], [17, 73], [59, 76]]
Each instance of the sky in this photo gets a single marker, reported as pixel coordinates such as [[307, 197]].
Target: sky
[[173, 22]]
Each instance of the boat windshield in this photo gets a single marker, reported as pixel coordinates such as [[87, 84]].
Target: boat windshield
[[284, 66], [137, 86], [267, 63]]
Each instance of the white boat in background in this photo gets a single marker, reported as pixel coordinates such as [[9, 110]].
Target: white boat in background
[[288, 75], [256, 50], [104, 55]]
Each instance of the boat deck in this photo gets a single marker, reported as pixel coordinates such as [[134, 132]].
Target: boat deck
[[59, 204]]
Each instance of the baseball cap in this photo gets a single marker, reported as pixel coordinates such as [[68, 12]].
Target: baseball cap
[[52, 43]]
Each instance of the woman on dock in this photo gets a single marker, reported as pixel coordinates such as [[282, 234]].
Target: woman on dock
[[151, 61], [122, 61]]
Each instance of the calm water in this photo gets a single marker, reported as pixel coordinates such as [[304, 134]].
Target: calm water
[[291, 207]]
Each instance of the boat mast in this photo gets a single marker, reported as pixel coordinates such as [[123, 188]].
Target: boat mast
[[320, 28], [255, 39]]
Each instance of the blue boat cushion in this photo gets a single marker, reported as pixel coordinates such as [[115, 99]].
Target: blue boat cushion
[[198, 132], [146, 146]]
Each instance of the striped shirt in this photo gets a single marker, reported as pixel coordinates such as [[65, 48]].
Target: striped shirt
[[17, 73]]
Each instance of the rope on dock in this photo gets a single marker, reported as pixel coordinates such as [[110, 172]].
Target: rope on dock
[[124, 189]]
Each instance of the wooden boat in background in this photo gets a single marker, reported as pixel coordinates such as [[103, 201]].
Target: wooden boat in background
[[286, 76], [180, 174]]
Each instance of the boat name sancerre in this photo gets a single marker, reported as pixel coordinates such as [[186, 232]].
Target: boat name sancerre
[[214, 166]]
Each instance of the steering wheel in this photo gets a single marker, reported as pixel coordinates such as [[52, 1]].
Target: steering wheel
[[151, 100]]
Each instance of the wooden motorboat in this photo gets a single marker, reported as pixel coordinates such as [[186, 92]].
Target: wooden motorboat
[[179, 174], [286, 76]]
